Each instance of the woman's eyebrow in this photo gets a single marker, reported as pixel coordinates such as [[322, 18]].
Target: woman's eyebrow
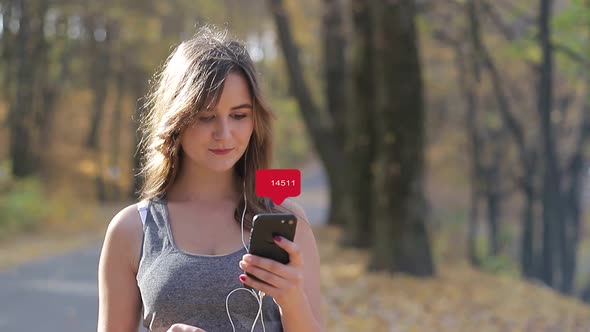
[[241, 106]]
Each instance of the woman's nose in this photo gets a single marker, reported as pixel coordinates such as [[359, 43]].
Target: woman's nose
[[222, 130]]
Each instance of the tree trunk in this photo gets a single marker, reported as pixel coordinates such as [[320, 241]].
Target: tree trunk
[[574, 192], [473, 227], [525, 156], [529, 264], [53, 91], [572, 226], [360, 139], [575, 170], [335, 90], [8, 57], [401, 242], [467, 81], [582, 141], [44, 88], [321, 132], [493, 209], [493, 191], [21, 117], [334, 62], [115, 135], [553, 230], [586, 294], [99, 52]]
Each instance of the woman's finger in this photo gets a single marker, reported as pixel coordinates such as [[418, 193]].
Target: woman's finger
[[291, 248], [270, 278], [258, 285], [282, 270]]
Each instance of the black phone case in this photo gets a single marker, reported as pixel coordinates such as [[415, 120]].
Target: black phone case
[[264, 227]]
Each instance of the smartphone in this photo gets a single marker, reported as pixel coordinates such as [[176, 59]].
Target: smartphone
[[264, 227]]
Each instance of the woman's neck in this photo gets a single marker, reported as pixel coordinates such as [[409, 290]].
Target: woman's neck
[[205, 186]]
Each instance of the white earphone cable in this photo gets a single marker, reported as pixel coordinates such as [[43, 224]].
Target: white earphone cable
[[260, 295]]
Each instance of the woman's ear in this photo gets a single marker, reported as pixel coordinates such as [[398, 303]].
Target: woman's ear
[[175, 136]]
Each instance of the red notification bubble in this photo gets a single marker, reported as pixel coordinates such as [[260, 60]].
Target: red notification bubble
[[278, 184]]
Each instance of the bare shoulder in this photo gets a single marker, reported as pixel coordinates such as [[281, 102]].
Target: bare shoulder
[[296, 209], [125, 232], [126, 222], [119, 298], [305, 240], [304, 229]]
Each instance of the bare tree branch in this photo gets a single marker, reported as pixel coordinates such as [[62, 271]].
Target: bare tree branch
[[571, 54]]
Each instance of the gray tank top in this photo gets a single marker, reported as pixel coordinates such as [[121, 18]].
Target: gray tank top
[[179, 287]]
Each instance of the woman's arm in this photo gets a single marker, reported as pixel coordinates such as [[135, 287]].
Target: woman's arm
[[296, 286], [307, 315], [118, 296]]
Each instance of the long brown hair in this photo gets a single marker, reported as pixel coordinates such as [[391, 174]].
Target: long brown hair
[[191, 81]]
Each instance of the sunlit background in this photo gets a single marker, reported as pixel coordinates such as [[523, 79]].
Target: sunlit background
[[487, 232]]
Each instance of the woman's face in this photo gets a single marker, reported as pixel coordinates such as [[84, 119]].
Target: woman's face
[[227, 126]]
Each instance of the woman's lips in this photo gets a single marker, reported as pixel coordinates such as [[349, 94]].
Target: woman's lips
[[225, 151]]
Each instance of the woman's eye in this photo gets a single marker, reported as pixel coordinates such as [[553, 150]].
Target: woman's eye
[[206, 118], [239, 116]]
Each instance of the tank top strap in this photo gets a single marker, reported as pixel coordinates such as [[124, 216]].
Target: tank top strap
[[157, 221], [142, 208], [155, 240]]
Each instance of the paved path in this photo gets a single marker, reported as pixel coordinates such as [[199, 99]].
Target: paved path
[[56, 294], [314, 196], [59, 294]]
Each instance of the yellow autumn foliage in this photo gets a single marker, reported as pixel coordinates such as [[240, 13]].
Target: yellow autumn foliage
[[458, 299]]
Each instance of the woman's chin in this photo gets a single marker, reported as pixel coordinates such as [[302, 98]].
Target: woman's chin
[[222, 168]]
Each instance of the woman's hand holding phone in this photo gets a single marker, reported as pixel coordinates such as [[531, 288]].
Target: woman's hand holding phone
[[284, 282]]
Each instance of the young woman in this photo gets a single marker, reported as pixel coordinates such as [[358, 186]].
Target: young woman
[[175, 259]]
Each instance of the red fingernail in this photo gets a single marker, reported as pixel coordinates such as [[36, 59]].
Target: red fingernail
[[277, 238], [243, 278]]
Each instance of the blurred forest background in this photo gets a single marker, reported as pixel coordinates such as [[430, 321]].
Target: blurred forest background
[[455, 135]]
